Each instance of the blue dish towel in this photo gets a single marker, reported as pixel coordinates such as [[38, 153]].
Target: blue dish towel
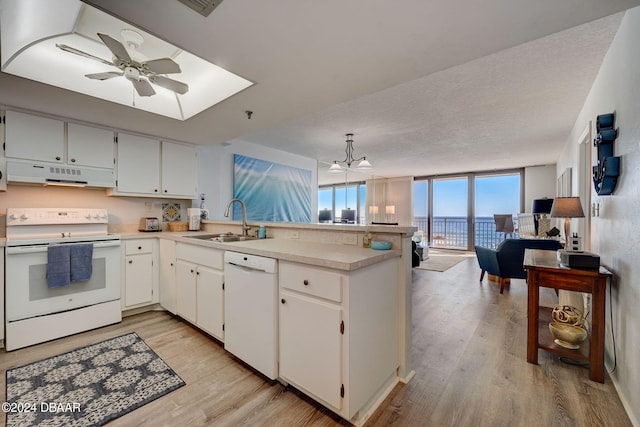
[[58, 266], [81, 259]]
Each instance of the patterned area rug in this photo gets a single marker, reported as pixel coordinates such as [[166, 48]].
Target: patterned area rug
[[88, 386]]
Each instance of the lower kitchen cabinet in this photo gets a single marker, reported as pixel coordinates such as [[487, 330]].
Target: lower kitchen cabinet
[[140, 273], [339, 334], [200, 287], [167, 277], [311, 345]]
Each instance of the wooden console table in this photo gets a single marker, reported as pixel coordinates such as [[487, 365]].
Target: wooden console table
[[543, 270]]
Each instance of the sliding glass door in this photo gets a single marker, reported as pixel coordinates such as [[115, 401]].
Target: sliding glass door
[[449, 221], [457, 212]]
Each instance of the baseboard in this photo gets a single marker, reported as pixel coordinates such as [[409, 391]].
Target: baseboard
[[625, 403]]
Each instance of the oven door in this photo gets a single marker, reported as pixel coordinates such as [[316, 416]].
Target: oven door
[[27, 293]]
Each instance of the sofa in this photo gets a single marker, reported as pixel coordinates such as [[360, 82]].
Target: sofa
[[506, 260]]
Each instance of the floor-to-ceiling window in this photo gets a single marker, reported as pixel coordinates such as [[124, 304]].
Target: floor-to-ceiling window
[[456, 212], [495, 194], [340, 199]]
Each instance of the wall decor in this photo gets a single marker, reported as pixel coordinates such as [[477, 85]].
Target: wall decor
[[271, 191], [607, 170]]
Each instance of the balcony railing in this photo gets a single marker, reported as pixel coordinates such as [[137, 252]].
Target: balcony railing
[[453, 232]]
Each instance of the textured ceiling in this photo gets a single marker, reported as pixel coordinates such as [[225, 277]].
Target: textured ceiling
[[425, 88]]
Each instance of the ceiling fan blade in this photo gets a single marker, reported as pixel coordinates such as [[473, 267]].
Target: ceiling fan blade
[[104, 76], [170, 84], [143, 87], [85, 54], [162, 66], [117, 48]]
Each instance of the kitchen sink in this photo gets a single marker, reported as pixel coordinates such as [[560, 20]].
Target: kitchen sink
[[223, 237]]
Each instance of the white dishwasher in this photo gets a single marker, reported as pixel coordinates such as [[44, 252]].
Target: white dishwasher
[[251, 310]]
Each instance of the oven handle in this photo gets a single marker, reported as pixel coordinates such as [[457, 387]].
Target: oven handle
[[17, 250]]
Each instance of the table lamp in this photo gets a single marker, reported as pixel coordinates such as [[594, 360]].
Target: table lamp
[[566, 207]]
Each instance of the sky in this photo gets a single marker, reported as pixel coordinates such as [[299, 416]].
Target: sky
[[494, 194]]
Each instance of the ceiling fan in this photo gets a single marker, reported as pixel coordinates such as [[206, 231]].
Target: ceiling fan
[[140, 73]]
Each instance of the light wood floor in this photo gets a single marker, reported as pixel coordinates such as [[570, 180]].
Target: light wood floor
[[469, 356]]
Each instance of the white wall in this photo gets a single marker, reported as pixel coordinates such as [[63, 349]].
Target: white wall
[[539, 182], [615, 234], [215, 172]]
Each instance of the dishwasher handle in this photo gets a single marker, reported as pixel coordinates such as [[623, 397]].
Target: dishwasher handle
[[245, 267]]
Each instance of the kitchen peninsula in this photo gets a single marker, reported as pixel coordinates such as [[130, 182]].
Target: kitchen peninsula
[[366, 291]]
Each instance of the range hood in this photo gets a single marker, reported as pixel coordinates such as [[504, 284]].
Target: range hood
[[58, 174]]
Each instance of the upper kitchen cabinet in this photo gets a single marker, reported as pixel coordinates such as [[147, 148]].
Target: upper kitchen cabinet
[[34, 138], [89, 146], [138, 171], [179, 169], [151, 168], [29, 137]]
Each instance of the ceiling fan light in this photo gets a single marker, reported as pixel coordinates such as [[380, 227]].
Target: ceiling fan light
[[364, 165], [335, 168]]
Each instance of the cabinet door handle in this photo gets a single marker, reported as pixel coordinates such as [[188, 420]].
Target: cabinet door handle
[[73, 160], [192, 270], [197, 273], [283, 300], [57, 157], [130, 261], [165, 191], [139, 248], [306, 282], [171, 264], [155, 190]]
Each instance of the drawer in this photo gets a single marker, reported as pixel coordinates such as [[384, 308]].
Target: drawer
[[133, 247], [208, 257], [312, 281]]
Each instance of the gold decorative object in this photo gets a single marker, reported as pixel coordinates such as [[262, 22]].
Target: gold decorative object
[[568, 326]]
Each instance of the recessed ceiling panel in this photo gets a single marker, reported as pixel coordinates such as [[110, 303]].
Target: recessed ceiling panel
[[71, 49]]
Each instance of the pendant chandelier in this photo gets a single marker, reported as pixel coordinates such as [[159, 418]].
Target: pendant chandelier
[[364, 164]]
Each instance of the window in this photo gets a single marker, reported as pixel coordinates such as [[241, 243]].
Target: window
[[457, 211], [339, 197]]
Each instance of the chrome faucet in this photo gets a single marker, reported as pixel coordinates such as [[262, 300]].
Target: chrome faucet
[[245, 227]]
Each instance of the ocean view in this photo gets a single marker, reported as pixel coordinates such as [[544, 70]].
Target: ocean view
[[453, 231]]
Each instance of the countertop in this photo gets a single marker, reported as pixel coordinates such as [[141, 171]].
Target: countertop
[[336, 256]]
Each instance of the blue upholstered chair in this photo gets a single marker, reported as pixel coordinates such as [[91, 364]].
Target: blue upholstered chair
[[506, 260]]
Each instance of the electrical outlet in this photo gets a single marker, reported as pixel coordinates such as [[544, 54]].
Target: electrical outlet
[[294, 235], [350, 239]]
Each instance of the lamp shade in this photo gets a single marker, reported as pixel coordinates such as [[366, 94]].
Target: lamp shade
[[541, 206], [335, 168], [567, 207]]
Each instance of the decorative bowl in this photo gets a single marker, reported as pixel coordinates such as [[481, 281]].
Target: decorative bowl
[[567, 336], [567, 314], [381, 245]]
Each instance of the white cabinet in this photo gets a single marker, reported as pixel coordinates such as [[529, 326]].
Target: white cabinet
[[187, 291], [89, 146], [140, 281], [167, 277], [34, 138], [149, 167], [339, 333], [42, 139], [179, 169], [138, 165], [200, 287], [311, 345]]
